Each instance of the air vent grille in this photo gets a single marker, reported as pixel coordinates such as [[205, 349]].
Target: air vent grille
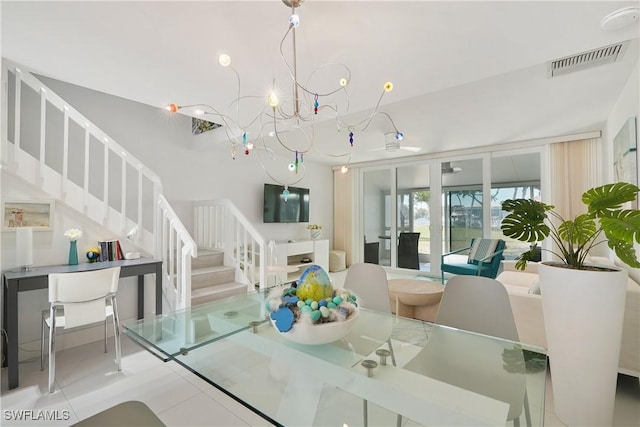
[[584, 60]]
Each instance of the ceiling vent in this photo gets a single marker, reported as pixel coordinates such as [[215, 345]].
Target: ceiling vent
[[584, 60]]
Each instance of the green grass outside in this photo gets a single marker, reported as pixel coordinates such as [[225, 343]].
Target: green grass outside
[[462, 238]]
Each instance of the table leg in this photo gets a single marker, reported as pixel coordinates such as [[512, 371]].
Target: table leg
[[159, 288], [397, 306], [140, 296], [4, 320], [11, 327]]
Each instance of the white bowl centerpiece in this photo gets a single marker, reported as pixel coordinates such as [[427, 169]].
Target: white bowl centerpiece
[[312, 311]]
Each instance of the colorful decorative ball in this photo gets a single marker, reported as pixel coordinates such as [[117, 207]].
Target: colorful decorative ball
[[93, 254]]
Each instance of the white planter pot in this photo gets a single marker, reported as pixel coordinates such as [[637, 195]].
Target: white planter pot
[[583, 315]]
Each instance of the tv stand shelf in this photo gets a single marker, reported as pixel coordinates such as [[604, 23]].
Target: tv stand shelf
[[299, 255]]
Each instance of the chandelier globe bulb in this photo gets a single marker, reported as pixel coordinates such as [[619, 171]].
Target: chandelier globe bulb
[[224, 60], [274, 101]]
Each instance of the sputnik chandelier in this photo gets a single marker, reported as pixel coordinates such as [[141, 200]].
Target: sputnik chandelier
[[288, 123]]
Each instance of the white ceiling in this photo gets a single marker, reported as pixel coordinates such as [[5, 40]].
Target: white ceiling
[[465, 74]]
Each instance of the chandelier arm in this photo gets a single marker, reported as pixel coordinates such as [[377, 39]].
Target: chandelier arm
[[264, 168], [348, 153], [293, 71], [252, 121], [367, 121], [348, 79], [285, 146], [282, 183], [238, 96], [334, 108], [284, 116], [395, 128]]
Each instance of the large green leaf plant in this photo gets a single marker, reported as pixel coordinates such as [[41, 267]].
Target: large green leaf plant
[[532, 221]]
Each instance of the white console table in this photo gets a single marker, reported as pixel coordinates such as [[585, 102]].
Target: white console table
[[298, 255]]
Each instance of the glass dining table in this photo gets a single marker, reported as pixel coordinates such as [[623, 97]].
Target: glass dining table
[[386, 369]]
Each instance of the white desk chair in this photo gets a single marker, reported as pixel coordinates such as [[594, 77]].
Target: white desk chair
[[79, 299], [481, 305]]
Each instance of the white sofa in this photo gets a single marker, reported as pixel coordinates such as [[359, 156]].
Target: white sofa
[[527, 311]]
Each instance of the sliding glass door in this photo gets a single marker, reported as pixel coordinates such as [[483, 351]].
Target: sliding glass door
[[513, 177], [377, 219], [462, 203], [399, 227], [413, 217]]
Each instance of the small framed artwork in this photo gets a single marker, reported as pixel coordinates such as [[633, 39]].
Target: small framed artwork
[[37, 214], [625, 153]]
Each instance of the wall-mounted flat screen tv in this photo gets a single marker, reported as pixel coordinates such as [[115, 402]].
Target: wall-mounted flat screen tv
[[294, 209]]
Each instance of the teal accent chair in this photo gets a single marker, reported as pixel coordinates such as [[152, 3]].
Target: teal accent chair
[[484, 259]]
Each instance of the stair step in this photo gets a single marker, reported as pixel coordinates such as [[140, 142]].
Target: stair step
[[209, 276], [211, 293], [207, 258]]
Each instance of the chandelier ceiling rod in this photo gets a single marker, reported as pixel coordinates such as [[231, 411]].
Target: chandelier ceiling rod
[[295, 65]]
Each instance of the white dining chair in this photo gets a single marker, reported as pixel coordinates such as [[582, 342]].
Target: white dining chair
[[370, 285], [78, 299], [481, 305]]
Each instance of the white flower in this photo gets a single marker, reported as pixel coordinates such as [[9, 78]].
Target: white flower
[[73, 234]]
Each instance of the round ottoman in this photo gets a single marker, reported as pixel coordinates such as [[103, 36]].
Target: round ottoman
[[337, 260], [414, 298]]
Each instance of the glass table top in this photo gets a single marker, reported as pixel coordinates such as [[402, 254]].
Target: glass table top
[[435, 375]]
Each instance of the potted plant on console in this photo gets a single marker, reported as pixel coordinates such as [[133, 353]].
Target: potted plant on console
[[582, 304]]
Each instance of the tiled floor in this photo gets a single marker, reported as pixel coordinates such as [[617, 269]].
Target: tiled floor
[[87, 383]]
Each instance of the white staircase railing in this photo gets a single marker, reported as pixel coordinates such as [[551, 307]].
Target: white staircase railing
[[177, 249], [219, 225], [52, 146]]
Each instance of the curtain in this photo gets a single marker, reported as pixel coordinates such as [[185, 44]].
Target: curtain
[[343, 213], [575, 168]]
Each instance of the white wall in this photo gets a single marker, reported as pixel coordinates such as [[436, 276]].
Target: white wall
[[195, 167], [627, 105]]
